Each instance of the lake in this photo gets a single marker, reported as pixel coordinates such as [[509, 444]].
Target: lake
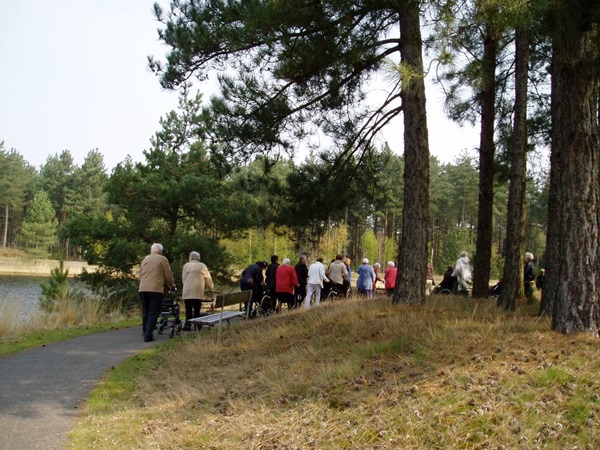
[[21, 289]]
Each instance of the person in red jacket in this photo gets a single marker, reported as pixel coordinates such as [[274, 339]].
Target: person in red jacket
[[285, 282], [389, 276]]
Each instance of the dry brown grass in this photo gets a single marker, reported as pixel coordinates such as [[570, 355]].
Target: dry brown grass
[[455, 373], [80, 311]]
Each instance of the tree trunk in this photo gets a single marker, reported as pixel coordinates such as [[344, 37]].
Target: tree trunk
[[512, 279], [483, 252], [412, 259], [5, 228], [572, 275]]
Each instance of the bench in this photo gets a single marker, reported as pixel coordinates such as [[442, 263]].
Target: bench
[[223, 300]]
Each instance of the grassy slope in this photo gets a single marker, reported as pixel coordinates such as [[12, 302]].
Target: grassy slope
[[456, 373]]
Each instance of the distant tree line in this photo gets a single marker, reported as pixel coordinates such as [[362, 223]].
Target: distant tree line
[[182, 196]]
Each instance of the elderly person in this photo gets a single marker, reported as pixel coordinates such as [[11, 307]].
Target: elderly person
[[376, 268], [338, 274], [529, 276], [155, 274], [316, 277], [430, 282], [389, 275], [286, 281], [463, 274], [302, 273], [366, 279], [253, 279], [539, 280], [195, 278], [347, 263]]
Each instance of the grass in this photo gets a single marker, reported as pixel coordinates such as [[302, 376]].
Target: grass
[[455, 373]]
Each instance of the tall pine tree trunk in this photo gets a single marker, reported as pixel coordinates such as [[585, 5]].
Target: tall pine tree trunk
[[512, 287], [483, 255], [572, 285], [5, 227], [412, 259]]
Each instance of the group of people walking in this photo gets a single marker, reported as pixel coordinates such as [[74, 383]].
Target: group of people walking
[[296, 285], [286, 284], [305, 285], [155, 274], [292, 285]]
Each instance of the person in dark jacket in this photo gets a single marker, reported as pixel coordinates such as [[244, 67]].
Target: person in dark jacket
[[253, 279], [529, 276], [302, 273], [539, 280], [448, 283], [270, 279]]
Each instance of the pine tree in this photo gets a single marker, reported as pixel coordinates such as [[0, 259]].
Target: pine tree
[[39, 227], [288, 68]]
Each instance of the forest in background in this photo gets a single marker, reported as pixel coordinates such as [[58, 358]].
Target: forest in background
[[234, 215], [295, 75]]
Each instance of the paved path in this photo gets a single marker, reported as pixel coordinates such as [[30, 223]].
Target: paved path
[[42, 389]]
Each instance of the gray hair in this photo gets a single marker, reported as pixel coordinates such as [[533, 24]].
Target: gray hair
[[195, 256], [529, 256], [286, 261], [156, 248], [391, 264]]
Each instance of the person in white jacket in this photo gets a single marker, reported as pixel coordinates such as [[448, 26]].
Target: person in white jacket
[[316, 277], [463, 274]]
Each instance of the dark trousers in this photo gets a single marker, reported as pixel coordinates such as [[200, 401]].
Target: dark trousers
[[192, 308], [299, 294], [285, 297], [151, 302]]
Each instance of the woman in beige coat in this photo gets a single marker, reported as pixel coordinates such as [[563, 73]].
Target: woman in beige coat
[[196, 279]]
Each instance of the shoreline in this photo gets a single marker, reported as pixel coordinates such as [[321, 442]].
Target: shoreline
[[17, 266]]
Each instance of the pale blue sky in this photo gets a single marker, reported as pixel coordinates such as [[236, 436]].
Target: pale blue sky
[[74, 75]]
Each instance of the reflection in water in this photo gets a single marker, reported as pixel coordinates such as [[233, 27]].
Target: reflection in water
[[20, 293]]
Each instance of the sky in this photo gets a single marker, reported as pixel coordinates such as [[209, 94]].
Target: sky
[[74, 76]]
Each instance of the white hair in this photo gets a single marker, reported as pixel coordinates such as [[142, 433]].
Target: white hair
[[286, 261], [366, 261], [195, 256], [156, 248], [529, 256], [391, 264], [376, 264]]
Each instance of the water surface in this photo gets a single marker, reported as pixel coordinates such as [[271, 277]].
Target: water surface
[[20, 294]]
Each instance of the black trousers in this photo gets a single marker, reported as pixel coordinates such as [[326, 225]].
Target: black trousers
[[192, 308], [151, 302]]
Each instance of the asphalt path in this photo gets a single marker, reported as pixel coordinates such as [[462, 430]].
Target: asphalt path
[[41, 389]]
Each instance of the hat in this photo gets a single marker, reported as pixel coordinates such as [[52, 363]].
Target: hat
[[366, 261]]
